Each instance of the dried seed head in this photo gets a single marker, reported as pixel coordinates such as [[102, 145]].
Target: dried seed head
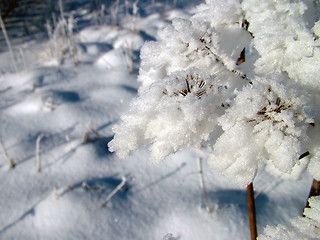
[[194, 85]]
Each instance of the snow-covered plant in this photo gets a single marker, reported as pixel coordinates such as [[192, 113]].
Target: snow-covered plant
[[265, 125], [301, 228], [193, 91]]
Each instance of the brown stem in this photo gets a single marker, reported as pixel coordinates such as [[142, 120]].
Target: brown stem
[[252, 212]]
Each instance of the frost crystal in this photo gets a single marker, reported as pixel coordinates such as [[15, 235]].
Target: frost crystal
[[302, 228]]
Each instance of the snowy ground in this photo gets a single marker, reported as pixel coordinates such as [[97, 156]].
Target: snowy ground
[[58, 105]]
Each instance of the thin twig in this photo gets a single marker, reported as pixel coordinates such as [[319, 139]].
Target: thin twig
[[117, 189], [204, 186]]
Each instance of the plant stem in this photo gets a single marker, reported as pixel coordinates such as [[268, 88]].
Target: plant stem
[[252, 212]]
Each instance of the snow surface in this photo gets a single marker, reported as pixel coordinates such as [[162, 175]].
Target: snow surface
[[64, 103]]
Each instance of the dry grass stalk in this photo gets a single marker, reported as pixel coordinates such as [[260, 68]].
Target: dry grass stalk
[[12, 164]]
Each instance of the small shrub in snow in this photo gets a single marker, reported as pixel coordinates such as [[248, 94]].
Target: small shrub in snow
[[193, 92], [301, 228]]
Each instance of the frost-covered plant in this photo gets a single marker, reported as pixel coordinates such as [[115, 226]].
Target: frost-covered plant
[[283, 41], [290, 53], [62, 40], [194, 92], [301, 228], [266, 124], [163, 116], [186, 82]]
